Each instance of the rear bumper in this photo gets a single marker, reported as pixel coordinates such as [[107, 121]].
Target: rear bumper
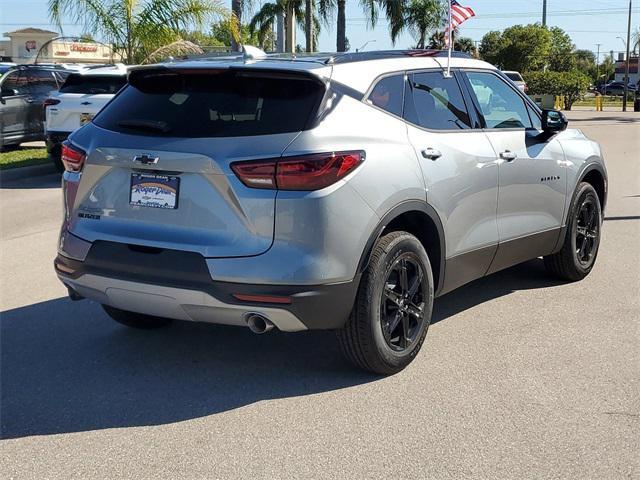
[[178, 285]]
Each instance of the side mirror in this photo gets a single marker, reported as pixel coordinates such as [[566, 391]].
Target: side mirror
[[554, 121], [8, 92]]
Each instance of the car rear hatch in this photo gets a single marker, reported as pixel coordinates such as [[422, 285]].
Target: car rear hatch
[[158, 173], [80, 99]]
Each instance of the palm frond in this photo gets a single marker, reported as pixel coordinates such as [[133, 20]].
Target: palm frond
[[94, 15], [266, 16], [174, 49]]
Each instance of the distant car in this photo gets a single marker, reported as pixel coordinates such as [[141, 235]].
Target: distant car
[[516, 78], [22, 90], [82, 95], [5, 67], [617, 88]]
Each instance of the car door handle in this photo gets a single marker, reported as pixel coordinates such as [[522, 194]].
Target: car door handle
[[431, 153], [508, 155]]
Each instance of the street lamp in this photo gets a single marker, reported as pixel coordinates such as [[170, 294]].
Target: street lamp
[[365, 44], [625, 43]]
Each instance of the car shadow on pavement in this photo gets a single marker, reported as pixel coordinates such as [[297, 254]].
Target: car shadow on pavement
[[612, 118], [51, 180], [66, 367], [526, 276]]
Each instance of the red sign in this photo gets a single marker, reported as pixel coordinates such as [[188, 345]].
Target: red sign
[[82, 47]]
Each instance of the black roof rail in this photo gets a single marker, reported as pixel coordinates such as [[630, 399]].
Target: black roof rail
[[329, 58], [350, 57]]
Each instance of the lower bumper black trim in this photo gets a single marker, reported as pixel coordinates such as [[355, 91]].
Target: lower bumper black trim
[[319, 307]]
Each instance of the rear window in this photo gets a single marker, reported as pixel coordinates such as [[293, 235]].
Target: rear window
[[93, 84], [514, 76], [212, 103]]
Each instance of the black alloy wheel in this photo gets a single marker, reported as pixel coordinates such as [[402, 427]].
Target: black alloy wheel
[[587, 231], [402, 312]]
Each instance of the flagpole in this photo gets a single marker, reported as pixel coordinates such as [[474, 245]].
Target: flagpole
[[448, 75]]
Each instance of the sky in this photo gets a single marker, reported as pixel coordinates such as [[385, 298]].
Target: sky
[[588, 22]]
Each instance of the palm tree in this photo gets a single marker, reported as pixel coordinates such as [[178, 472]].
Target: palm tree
[[138, 27], [420, 17], [236, 9], [393, 10], [265, 18], [308, 24], [341, 34], [465, 44]]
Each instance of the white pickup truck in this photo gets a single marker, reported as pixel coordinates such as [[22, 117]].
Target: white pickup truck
[[80, 98]]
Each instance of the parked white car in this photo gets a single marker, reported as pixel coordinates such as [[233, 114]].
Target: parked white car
[[80, 98], [516, 78]]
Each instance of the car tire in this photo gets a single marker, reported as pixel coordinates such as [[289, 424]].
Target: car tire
[[10, 147], [384, 299], [136, 320], [582, 238], [55, 155]]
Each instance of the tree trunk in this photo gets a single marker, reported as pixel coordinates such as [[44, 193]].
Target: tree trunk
[[236, 8], [290, 29], [308, 11], [341, 43], [280, 33]]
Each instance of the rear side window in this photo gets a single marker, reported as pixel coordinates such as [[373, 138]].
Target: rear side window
[[388, 94], [435, 102], [15, 81], [212, 103], [41, 82], [93, 84]]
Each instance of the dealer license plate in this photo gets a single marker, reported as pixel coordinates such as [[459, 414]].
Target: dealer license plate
[[157, 191]]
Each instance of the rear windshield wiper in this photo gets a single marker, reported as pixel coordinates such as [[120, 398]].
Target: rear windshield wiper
[[139, 124]]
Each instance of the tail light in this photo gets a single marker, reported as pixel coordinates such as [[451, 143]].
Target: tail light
[[72, 157], [50, 101], [307, 172]]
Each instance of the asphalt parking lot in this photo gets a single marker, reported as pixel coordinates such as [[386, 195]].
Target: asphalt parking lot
[[521, 376]]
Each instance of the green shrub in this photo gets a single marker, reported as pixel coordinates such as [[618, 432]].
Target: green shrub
[[572, 85]]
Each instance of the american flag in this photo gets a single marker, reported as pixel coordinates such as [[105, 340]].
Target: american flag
[[459, 15]]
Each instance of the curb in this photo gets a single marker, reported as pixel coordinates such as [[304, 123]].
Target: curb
[[26, 172]]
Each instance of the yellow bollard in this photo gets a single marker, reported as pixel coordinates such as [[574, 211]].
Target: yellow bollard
[[599, 103], [559, 105]]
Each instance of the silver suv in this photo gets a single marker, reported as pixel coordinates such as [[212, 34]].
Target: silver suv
[[331, 192]]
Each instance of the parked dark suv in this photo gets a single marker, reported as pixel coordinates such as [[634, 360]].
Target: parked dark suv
[[22, 91]]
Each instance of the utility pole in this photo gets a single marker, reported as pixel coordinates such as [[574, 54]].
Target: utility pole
[[626, 74], [598, 63], [544, 13]]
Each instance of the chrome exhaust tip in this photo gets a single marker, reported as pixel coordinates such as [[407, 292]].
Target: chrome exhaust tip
[[73, 295], [258, 324]]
